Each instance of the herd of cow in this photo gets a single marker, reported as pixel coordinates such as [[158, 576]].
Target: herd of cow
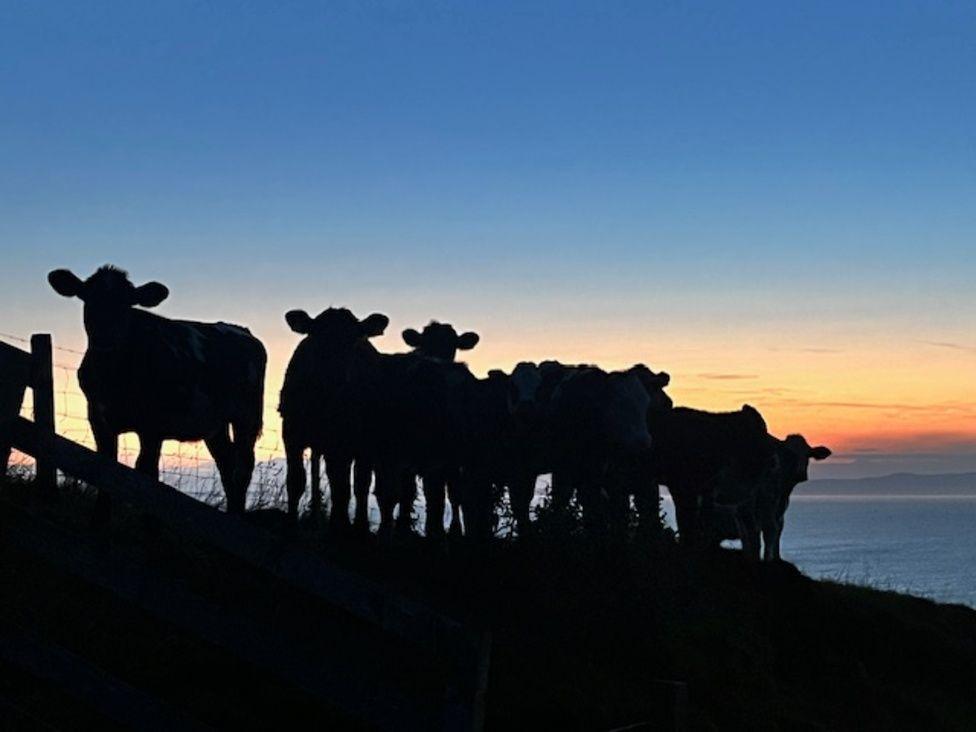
[[381, 420]]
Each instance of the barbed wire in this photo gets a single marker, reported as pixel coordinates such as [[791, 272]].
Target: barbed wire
[[187, 466]]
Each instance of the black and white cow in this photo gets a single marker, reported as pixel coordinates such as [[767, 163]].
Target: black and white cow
[[789, 467], [319, 402], [167, 379]]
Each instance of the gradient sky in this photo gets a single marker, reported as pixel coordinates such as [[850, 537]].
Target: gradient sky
[[775, 202]]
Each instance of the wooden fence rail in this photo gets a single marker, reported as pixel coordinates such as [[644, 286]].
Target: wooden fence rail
[[463, 651]]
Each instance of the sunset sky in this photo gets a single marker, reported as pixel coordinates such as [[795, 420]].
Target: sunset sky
[[774, 202]]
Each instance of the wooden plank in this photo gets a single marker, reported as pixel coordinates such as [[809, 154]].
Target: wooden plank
[[42, 385], [359, 682], [14, 377], [465, 649], [108, 696]]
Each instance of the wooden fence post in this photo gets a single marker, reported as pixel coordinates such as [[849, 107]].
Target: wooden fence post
[[14, 377], [42, 384]]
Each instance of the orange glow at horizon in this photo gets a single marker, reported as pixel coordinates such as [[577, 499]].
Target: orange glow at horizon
[[856, 396]]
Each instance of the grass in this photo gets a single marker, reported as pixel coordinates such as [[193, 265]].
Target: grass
[[583, 632]]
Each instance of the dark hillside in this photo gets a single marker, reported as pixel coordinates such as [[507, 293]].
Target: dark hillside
[[582, 638]]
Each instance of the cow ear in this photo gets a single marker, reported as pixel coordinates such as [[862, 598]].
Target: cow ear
[[661, 380], [412, 338], [467, 341], [150, 294], [820, 453], [374, 325], [299, 321], [65, 282], [649, 379]]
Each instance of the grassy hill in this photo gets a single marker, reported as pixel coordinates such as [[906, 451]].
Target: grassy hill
[[584, 636]]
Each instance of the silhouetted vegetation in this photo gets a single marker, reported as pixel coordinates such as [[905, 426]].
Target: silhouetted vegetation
[[582, 631]]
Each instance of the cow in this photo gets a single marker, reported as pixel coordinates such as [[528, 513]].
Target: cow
[[345, 400], [599, 425], [789, 467], [319, 402], [505, 447], [711, 462], [441, 342], [530, 449], [167, 379], [421, 426]]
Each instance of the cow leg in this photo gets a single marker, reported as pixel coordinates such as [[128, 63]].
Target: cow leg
[[560, 491], [148, 461], [520, 492], [106, 439], [745, 519], [222, 451], [454, 494], [594, 506], [107, 444], [686, 516], [362, 478], [476, 493], [338, 471], [772, 540], [435, 490], [315, 478], [618, 503], [406, 496], [388, 486], [767, 524], [295, 482], [245, 437], [647, 499]]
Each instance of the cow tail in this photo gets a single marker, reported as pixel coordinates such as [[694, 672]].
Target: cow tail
[[261, 363]]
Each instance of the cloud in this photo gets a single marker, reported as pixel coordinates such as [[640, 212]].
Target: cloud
[[809, 349], [726, 377], [951, 345], [936, 408]]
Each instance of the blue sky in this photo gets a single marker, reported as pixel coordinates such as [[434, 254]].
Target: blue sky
[[565, 177]]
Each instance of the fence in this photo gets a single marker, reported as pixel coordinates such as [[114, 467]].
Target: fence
[[187, 466], [451, 657]]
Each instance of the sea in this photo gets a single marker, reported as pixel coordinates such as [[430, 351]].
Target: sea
[[923, 545]]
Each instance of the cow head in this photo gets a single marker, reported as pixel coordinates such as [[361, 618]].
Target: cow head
[[799, 452], [440, 341], [523, 390], [626, 405], [108, 298], [336, 328], [654, 384]]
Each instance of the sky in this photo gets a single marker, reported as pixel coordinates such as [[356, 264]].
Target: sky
[[774, 202]]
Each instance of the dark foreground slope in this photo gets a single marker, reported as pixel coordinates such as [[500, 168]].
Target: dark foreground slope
[[583, 637]]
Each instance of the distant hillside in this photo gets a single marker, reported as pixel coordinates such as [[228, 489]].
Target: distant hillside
[[897, 484]]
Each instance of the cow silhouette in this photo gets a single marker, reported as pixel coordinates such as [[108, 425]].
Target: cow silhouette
[[319, 406], [167, 379], [601, 437], [439, 341], [713, 464], [790, 467]]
